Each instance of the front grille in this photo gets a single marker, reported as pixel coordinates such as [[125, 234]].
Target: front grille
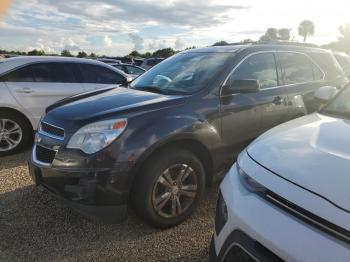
[[308, 217], [44, 155], [239, 246], [52, 130], [238, 254]]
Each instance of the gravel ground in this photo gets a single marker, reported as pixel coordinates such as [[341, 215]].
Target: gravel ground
[[34, 226]]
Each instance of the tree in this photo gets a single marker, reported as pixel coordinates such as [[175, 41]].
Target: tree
[[135, 54], [82, 54], [92, 55], [66, 53], [306, 28], [165, 52], [220, 43], [345, 31], [270, 35], [35, 52], [284, 34], [343, 43]]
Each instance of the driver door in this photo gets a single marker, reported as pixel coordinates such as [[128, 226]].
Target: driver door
[[245, 115]]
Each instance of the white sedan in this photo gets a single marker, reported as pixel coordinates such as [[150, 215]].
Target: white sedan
[[288, 196], [30, 84]]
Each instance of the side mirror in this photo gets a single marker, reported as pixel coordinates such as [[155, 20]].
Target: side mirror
[[129, 79], [325, 93], [241, 86]]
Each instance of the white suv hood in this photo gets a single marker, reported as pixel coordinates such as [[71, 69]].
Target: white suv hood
[[313, 152]]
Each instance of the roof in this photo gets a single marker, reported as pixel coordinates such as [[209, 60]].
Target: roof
[[13, 62], [258, 47]]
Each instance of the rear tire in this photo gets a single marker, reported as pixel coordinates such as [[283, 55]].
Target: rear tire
[[169, 187], [15, 133]]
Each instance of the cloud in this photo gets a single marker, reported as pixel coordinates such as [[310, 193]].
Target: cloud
[[180, 44], [107, 40], [137, 41], [178, 12]]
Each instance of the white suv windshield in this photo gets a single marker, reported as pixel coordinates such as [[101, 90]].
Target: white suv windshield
[[183, 73]]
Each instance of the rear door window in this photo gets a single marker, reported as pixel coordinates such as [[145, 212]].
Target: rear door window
[[297, 68], [261, 67], [54, 73], [100, 75], [23, 74], [318, 74]]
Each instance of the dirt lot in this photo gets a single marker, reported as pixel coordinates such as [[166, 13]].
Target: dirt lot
[[34, 226]]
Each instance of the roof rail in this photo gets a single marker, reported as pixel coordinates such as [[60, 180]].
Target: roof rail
[[277, 42]]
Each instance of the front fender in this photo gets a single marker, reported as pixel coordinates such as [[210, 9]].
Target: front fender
[[145, 140]]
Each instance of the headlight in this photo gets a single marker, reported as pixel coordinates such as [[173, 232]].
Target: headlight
[[221, 214], [249, 183], [96, 136], [39, 123]]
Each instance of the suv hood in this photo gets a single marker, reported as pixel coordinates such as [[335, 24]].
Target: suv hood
[[313, 152], [76, 112]]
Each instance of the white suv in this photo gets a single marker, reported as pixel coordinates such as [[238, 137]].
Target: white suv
[[30, 84], [287, 197]]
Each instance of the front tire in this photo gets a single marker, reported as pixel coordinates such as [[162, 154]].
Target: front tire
[[169, 188], [15, 133]]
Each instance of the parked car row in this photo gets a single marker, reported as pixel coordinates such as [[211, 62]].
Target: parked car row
[[28, 85], [155, 145]]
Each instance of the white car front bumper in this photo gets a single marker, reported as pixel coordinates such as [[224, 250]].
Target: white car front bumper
[[283, 234]]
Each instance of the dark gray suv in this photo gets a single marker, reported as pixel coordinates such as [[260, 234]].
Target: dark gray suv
[[158, 143]]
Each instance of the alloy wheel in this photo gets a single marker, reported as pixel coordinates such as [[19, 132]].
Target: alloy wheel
[[10, 135], [174, 191]]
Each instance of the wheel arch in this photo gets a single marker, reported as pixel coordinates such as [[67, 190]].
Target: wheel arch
[[188, 143], [19, 113]]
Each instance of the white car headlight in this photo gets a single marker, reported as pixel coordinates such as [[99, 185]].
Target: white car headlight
[[96, 136], [249, 183]]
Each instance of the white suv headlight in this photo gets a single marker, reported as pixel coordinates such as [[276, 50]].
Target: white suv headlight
[[96, 136]]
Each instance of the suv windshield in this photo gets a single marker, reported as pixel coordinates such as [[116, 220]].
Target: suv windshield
[[340, 106], [183, 73]]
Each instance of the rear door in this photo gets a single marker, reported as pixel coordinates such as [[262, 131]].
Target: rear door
[[246, 115], [39, 85], [96, 77]]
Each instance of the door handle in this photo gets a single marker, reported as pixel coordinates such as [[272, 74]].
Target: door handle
[[278, 100], [25, 90]]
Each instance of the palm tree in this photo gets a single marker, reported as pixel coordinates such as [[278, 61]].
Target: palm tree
[[306, 28]]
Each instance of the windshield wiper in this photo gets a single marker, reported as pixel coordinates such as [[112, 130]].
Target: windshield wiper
[[152, 89]]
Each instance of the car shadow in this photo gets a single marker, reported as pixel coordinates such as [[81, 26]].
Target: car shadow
[[34, 225]]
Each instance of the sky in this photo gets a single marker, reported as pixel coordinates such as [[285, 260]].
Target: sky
[[116, 27]]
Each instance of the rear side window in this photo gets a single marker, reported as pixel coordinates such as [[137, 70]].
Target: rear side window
[[297, 68], [344, 61], [329, 65], [23, 74], [100, 75], [261, 67], [54, 72]]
